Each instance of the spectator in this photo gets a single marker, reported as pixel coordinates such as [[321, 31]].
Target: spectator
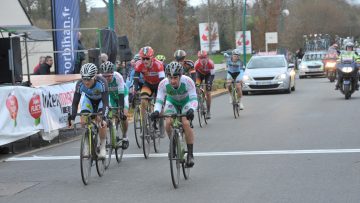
[[80, 56], [41, 61], [103, 58], [45, 67]]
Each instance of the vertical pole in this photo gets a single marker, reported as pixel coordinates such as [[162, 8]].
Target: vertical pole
[[27, 57], [244, 31], [209, 28], [111, 15]]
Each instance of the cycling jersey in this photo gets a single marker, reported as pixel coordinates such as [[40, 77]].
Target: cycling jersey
[[97, 95], [232, 66], [152, 75], [205, 69], [118, 91], [184, 97]]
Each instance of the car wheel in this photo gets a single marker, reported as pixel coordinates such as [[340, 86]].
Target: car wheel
[[293, 88], [288, 90], [245, 92], [301, 77]]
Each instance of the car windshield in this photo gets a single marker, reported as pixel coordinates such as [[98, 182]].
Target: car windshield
[[313, 57], [266, 62]]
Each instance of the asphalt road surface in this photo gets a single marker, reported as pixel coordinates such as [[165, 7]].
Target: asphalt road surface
[[298, 147]]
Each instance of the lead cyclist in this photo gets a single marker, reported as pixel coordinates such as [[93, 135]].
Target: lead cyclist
[[181, 95]]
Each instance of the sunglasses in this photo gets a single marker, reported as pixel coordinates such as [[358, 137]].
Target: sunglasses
[[145, 59], [108, 76], [87, 78]]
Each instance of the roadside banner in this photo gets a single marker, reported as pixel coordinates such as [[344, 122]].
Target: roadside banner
[[57, 101], [65, 19], [239, 41], [20, 111], [204, 30]]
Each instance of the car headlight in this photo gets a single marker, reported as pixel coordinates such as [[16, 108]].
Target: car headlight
[[281, 77], [347, 69], [303, 66], [247, 78]]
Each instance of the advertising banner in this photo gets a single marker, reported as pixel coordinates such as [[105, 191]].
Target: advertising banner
[[205, 38], [239, 41], [66, 19], [20, 113]]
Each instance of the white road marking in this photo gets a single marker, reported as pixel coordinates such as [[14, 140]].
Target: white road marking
[[201, 154]]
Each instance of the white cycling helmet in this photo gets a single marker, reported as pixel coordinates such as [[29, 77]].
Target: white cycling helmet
[[88, 71], [236, 52], [174, 69]]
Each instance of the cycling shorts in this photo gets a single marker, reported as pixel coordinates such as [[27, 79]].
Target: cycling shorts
[[200, 77], [237, 76]]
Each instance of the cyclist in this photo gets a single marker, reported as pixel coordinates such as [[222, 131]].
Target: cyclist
[[188, 65], [130, 78], [153, 72], [205, 71], [181, 97], [235, 72], [118, 95], [96, 99], [161, 58]]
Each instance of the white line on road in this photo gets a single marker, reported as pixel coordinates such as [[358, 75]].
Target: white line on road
[[201, 154]]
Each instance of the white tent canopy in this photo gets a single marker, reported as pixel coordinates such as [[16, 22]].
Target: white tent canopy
[[12, 14]]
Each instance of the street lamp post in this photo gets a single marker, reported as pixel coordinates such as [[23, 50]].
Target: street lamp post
[[111, 15], [244, 31]]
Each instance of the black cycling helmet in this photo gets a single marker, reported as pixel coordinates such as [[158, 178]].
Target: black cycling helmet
[[174, 69], [179, 55]]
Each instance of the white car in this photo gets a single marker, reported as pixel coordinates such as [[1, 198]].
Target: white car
[[265, 73], [312, 64]]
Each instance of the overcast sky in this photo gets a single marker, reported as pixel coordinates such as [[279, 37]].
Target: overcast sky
[[99, 3]]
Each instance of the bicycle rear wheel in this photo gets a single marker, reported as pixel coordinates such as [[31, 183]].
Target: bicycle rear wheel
[[185, 169], [146, 139], [85, 158], [137, 127], [174, 160]]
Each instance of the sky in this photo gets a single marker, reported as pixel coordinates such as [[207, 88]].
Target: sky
[[99, 3]]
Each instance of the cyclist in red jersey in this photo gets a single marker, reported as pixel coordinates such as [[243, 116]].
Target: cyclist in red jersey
[[205, 70], [153, 72]]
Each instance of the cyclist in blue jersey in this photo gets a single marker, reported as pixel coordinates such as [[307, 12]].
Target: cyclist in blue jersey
[[234, 67], [96, 99]]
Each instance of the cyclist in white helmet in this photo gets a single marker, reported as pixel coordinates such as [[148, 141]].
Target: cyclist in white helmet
[[180, 92], [118, 95], [96, 100]]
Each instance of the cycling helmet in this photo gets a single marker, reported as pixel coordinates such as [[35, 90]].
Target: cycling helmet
[[107, 67], [146, 52], [179, 55], [160, 57], [174, 69], [202, 54], [349, 44], [235, 52], [137, 57], [88, 71]]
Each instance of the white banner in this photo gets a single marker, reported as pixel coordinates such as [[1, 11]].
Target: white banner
[[239, 37], [20, 111], [205, 39], [57, 102]]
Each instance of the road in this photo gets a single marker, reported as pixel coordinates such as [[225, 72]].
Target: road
[[298, 147]]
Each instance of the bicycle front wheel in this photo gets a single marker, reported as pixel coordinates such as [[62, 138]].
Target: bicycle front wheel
[[109, 145], [174, 160], [156, 136], [119, 150], [137, 127], [235, 104], [100, 163], [85, 158], [146, 139]]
